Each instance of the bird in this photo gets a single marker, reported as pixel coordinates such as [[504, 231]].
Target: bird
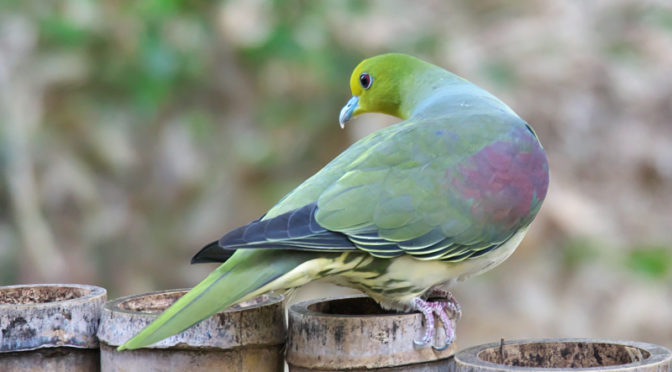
[[402, 215]]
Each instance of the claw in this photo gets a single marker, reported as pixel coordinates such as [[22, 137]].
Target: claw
[[422, 342], [428, 310], [450, 337]]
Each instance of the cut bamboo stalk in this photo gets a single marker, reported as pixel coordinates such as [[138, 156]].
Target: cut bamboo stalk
[[246, 337], [564, 354], [50, 327], [354, 333]]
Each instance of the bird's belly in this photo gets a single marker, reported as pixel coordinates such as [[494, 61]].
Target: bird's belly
[[394, 283]]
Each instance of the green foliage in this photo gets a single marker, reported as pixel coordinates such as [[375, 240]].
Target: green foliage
[[57, 32], [579, 251], [651, 261], [658, 16], [654, 262], [622, 50]]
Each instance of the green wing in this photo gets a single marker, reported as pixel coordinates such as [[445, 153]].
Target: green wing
[[395, 198], [414, 188]]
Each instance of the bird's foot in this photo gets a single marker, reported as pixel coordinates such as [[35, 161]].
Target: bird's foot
[[451, 302], [428, 309]]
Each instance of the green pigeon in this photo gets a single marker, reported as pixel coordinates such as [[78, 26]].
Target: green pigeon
[[401, 215]]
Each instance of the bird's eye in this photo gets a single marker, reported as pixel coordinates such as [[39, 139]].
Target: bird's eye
[[366, 80]]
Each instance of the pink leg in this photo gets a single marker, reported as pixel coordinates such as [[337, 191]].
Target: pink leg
[[428, 309], [451, 302]]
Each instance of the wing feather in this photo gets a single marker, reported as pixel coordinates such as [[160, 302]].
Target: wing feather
[[415, 188]]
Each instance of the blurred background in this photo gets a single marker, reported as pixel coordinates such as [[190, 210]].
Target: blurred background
[[132, 133]]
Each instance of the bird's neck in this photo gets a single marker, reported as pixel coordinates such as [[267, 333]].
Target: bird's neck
[[438, 92]]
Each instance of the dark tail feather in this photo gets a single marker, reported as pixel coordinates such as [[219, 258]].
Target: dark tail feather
[[212, 252]]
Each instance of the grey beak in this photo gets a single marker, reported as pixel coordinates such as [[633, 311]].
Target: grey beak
[[347, 110]]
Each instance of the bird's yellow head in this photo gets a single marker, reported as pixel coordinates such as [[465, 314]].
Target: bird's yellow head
[[377, 85]]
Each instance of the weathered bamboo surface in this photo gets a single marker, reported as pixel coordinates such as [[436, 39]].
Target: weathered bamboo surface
[[246, 337], [354, 333], [50, 327], [53, 359], [564, 354]]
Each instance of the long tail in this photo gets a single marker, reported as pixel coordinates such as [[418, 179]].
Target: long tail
[[247, 274]]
